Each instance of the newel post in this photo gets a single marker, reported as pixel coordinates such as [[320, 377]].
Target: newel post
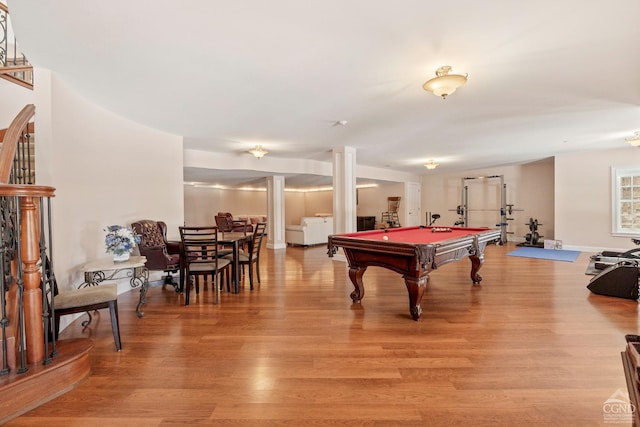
[[32, 298], [28, 269]]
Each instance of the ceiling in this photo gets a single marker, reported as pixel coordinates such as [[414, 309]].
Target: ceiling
[[545, 77]]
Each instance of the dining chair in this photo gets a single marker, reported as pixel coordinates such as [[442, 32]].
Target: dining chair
[[82, 300], [199, 246], [252, 255], [90, 298]]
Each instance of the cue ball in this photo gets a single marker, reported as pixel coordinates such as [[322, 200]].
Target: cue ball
[[385, 237]]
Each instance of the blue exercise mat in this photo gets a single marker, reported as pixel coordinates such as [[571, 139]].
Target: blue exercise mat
[[540, 253]]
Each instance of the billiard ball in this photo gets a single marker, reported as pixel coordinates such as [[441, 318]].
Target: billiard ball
[[385, 237]]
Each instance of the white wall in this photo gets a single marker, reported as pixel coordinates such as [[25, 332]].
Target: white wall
[[583, 197], [106, 170], [14, 98]]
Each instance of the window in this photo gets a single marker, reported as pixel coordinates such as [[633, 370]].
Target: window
[[626, 202]]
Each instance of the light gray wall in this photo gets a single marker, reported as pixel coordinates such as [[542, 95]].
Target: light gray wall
[[583, 203]]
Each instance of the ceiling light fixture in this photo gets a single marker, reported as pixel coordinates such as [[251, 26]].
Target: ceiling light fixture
[[444, 84], [634, 140], [258, 152], [431, 165]]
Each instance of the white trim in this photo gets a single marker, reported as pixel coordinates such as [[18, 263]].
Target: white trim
[[616, 174]]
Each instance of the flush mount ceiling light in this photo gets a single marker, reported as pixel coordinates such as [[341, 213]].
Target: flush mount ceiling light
[[634, 140], [431, 165], [258, 152], [444, 84]]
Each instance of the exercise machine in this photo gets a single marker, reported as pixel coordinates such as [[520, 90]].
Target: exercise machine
[[432, 218], [505, 210], [616, 276], [606, 259], [533, 238]]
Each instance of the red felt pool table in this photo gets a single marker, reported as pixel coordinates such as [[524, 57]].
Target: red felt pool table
[[412, 252]]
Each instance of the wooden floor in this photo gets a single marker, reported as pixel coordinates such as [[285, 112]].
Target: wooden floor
[[530, 346]]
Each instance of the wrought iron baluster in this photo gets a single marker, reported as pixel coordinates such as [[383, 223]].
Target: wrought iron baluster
[[46, 280], [20, 284], [4, 44], [8, 236]]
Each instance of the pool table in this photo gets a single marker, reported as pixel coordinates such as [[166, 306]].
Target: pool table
[[412, 252]]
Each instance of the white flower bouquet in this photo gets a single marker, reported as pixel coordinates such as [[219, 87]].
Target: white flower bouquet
[[120, 240]]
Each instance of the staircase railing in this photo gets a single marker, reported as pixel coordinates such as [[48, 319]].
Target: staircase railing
[[14, 65], [17, 152], [25, 236]]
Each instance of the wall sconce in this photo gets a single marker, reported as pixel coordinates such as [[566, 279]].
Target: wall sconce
[[258, 152], [431, 165], [444, 84], [634, 140]]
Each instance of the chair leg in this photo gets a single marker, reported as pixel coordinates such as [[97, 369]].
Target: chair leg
[[214, 284], [225, 276], [250, 276], [187, 289], [56, 332], [115, 325], [258, 268]]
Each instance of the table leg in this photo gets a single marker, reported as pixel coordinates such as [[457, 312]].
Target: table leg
[[415, 287], [355, 274], [476, 263], [235, 275], [140, 278]]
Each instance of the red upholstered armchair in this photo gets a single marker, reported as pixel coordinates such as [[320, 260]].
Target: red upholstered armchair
[[161, 254], [233, 224]]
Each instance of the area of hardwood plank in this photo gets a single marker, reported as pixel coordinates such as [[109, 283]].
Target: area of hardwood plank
[[530, 346]]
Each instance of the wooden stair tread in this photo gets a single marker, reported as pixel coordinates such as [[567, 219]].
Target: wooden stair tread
[[42, 383]]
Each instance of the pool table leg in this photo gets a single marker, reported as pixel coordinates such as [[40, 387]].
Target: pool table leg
[[415, 287], [355, 274], [476, 263]]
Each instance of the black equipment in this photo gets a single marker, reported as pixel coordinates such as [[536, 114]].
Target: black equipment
[[533, 238], [605, 259], [618, 280], [434, 217]]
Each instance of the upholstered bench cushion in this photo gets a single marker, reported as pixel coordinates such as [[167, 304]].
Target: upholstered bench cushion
[[86, 296], [208, 266]]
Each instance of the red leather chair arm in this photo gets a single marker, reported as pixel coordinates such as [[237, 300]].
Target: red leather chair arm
[[157, 258], [173, 248]]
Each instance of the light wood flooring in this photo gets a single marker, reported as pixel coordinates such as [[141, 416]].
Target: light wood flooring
[[530, 346]]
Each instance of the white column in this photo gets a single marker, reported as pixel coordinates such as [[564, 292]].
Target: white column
[[275, 212], [344, 190]]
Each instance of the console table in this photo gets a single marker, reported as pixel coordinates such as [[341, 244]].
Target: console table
[[366, 223], [106, 269]]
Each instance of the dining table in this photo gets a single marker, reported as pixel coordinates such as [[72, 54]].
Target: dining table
[[235, 239]]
